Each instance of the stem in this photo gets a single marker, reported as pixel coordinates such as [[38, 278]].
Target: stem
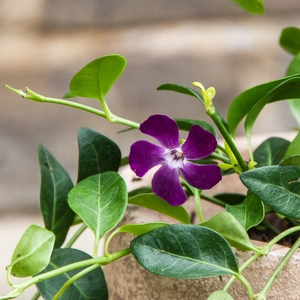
[[76, 235], [36, 296], [212, 113], [74, 278], [246, 284], [197, 193], [262, 294], [213, 200], [103, 260], [39, 98]]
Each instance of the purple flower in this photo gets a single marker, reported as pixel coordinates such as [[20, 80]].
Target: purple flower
[[174, 158]]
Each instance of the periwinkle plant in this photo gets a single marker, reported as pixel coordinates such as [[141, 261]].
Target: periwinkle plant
[[99, 198]]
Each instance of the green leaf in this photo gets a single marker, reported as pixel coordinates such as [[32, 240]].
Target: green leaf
[[220, 295], [97, 154], [184, 251], [91, 286], [270, 152], [153, 202], [252, 6], [294, 147], [255, 98], [100, 201], [186, 124], [33, 251], [294, 68], [138, 229], [290, 39], [231, 198], [249, 213], [55, 186], [292, 160], [180, 89], [228, 226], [277, 186], [96, 78]]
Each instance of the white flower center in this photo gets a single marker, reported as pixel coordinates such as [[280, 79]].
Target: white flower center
[[175, 158]]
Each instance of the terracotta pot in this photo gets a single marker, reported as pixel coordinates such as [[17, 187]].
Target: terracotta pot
[[127, 280]]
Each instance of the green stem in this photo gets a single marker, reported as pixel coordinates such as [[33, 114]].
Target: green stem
[[246, 284], [212, 113], [101, 261], [197, 194], [74, 278], [220, 157], [39, 98], [262, 294], [265, 249], [76, 235], [36, 296], [213, 200]]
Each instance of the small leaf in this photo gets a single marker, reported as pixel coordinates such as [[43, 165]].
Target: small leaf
[[292, 160], [231, 198], [252, 6], [277, 186], [138, 229], [97, 154], [153, 202], [184, 251], [91, 286], [100, 201], [294, 68], [220, 295], [55, 186], [33, 251], [270, 152], [294, 147], [281, 89], [290, 39], [249, 213], [96, 78], [186, 124], [228, 226], [180, 89]]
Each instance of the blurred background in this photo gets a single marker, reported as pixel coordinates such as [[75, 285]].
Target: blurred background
[[44, 43]]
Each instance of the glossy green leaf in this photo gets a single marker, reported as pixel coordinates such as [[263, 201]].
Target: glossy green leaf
[[100, 201], [294, 147], [97, 154], [138, 229], [249, 213], [55, 186], [292, 160], [228, 226], [231, 198], [184, 251], [252, 6], [270, 152], [180, 89], [91, 286], [96, 78], [220, 295], [153, 202], [290, 39], [186, 124], [255, 98], [277, 186], [33, 251], [294, 68]]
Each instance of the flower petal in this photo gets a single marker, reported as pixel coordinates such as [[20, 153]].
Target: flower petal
[[163, 129], [166, 185], [144, 156], [199, 143], [202, 177]]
